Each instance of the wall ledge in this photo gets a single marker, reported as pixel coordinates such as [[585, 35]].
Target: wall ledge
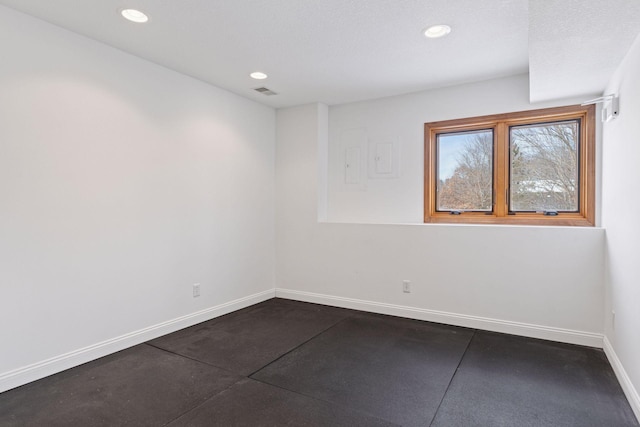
[[627, 386], [38, 370], [495, 325], [456, 225]]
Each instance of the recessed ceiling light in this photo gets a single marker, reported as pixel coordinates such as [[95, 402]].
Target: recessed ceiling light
[[258, 75], [436, 31], [134, 15]]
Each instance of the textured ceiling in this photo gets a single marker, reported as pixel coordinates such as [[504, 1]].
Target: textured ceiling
[[338, 51], [576, 45]]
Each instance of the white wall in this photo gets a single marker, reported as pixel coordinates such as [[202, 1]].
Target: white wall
[[121, 184], [621, 179], [536, 281]]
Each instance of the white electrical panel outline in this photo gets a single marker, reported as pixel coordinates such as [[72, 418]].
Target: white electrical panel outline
[[384, 158], [352, 154]]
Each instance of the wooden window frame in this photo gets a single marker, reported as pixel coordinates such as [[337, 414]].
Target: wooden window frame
[[500, 123]]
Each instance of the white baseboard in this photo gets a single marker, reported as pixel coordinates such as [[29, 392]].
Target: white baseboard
[[524, 329], [27, 374], [627, 386]]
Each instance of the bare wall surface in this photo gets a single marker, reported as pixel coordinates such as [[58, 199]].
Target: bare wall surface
[[121, 185], [549, 277], [621, 177]]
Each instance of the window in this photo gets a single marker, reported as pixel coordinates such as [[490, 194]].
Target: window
[[533, 167]]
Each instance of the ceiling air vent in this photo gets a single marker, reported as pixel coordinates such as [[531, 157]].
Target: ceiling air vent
[[265, 91]]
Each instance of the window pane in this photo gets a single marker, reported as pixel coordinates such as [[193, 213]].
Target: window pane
[[544, 167], [465, 171]]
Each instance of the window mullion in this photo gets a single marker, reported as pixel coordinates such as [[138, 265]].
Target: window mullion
[[501, 169]]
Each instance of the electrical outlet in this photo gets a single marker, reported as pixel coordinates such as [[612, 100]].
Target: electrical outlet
[[196, 290], [406, 286]]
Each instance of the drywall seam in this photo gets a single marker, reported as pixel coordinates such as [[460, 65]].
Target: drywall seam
[[516, 328], [627, 386], [35, 371]]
